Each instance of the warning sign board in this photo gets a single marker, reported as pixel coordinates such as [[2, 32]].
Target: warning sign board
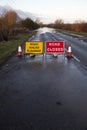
[[55, 47], [34, 47]]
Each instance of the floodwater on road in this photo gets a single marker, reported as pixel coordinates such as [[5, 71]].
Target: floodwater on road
[[43, 93]]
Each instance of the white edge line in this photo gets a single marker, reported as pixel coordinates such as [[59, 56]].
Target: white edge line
[[74, 57]]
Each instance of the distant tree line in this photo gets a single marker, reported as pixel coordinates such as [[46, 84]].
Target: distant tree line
[[77, 26], [11, 25]]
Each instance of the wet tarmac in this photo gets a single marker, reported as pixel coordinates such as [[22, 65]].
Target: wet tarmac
[[43, 93]]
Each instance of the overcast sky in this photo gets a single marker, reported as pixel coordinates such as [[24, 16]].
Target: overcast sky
[[68, 10]]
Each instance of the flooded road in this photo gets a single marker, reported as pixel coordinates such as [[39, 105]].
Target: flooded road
[[44, 93]]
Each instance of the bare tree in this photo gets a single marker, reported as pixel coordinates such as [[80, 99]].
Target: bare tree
[[10, 18], [78, 25], [38, 21], [58, 23]]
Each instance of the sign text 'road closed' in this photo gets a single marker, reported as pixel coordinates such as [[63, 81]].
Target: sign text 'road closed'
[[34, 47], [55, 47]]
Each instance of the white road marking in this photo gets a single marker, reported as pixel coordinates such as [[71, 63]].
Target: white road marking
[[76, 58]]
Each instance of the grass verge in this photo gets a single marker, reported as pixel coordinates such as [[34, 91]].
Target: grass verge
[[72, 32], [7, 48]]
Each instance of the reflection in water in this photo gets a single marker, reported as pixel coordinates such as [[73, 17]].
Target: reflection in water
[[45, 29], [45, 60]]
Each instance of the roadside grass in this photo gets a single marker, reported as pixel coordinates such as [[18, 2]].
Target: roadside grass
[[72, 32], [77, 33], [7, 48]]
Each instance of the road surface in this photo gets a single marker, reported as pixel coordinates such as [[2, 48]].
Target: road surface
[[79, 47], [44, 93]]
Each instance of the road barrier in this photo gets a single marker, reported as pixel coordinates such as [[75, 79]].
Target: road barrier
[[49, 47]]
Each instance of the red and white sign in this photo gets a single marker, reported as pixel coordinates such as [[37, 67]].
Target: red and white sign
[[55, 47]]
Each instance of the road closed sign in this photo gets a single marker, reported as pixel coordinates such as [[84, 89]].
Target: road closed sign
[[34, 47], [55, 47]]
